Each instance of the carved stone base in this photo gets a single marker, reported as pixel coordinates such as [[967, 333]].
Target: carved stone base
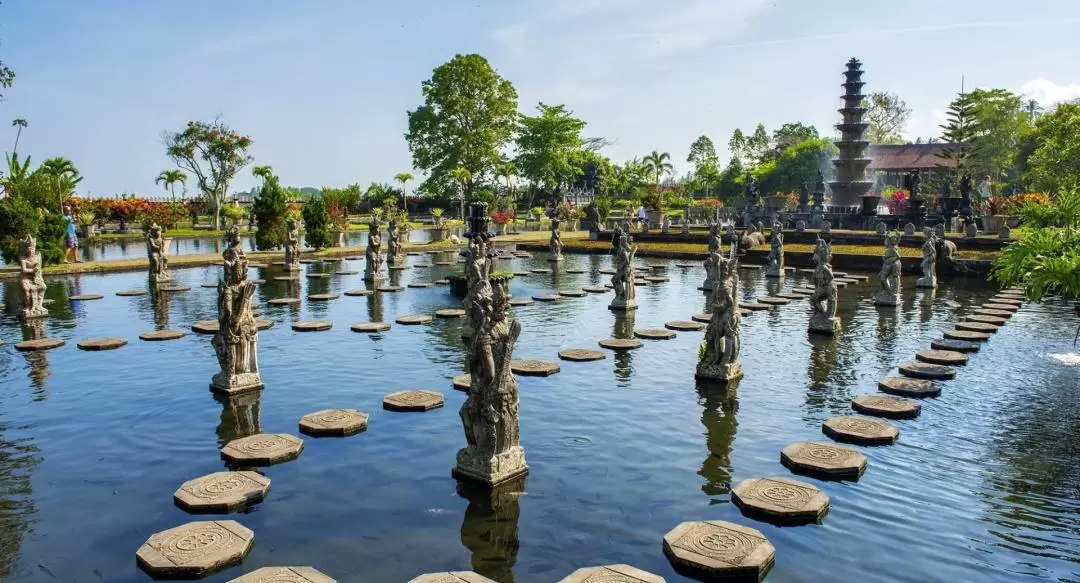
[[884, 298], [161, 278], [821, 324], [724, 373], [33, 314], [290, 267], [236, 384], [502, 467], [556, 258], [622, 305], [926, 282], [374, 277], [774, 272]]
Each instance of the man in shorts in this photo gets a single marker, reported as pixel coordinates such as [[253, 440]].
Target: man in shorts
[[71, 239]]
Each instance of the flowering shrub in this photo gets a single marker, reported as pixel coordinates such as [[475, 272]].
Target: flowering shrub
[[501, 217], [896, 200], [791, 200], [711, 202], [1013, 204]]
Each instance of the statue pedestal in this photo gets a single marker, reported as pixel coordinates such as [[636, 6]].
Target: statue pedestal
[[374, 277], [622, 305], [821, 324], [722, 374], [492, 470], [556, 258], [884, 298], [775, 271], [926, 282], [34, 314], [236, 384], [164, 278]]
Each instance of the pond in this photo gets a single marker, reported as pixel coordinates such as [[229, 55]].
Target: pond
[[982, 486]]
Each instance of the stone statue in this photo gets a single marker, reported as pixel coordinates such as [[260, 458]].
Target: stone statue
[[753, 197], [715, 244], [971, 230], [929, 262], [1005, 233], [373, 255], [774, 263], [493, 453], [800, 226], [555, 245], [623, 279], [236, 341], [823, 318], [881, 229], [719, 361], [155, 251], [966, 190], [826, 228], [804, 198], [292, 246], [909, 230], [686, 221], [889, 276], [665, 224], [819, 192], [31, 283], [393, 251], [403, 234]]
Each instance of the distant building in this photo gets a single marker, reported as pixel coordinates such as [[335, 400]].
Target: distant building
[[891, 162]]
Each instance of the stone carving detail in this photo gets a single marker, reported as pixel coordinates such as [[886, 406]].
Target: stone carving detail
[[889, 276], [774, 263], [555, 244], [236, 340], [909, 230], [823, 319], [880, 228], [826, 228], [292, 246], [719, 361], [623, 279], [929, 262], [714, 248], [393, 247], [155, 252], [1005, 233], [970, 230], [373, 255], [195, 549], [725, 545], [493, 453], [800, 226], [31, 283]]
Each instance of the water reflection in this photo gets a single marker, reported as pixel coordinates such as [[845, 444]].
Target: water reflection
[[374, 302], [38, 360], [160, 301], [19, 457], [239, 417], [624, 359], [720, 404], [490, 527]]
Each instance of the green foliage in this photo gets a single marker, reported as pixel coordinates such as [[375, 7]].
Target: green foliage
[[18, 218], [1001, 120], [658, 164], [1054, 163], [887, 115], [271, 209], [702, 153], [787, 136], [212, 152], [795, 165], [317, 223], [958, 131], [749, 150], [233, 212], [169, 178], [1047, 259], [604, 204], [545, 143], [731, 182], [50, 237]]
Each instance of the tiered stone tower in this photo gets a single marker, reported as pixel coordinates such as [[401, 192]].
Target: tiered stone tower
[[851, 183]]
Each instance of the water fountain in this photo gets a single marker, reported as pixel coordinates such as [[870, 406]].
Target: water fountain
[[851, 185]]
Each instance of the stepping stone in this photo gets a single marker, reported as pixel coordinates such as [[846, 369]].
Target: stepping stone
[[397, 267], [413, 319], [985, 319], [862, 430], [976, 327], [575, 271], [205, 327], [450, 313], [519, 302], [790, 296], [444, 263], [1009, 308], [703, 318], [284, 301], [685, 265], [222, 492], [39, 344], [263, 449], [685, 325], [195, 550], [581, 354], [263, 324], [886, 406], [654, 333], [714, 550], [925, 370], [774, 301], [521, 274], [389, 288], [422, 265], [356, 293], [547, 298], [745, 266], [572, 293], [451, 577], [1011, 294], [620, 343], [255, 281], [606, 271], [780, 500], [131, 293], [346, 272], [333, 422], [284, 575], [966, 335], [442, 282], [370, 327], [534, 368], [88, 297], [1006, 301], [306, 261], [847, 280], [858, 278], [421, 284], [656, 279], [805, 270], [540, 270], [823, 460], [173, 288], [754, 306], [840, 284], [322, 297], [312, 325], [609, 286], [318, 275], [414, 400], [610, 574], [462, 382], [946, 357], [95, 344], [1000, 314], [348, 258], [594, 289], [907, 387], [839, 274], [414, 254], [954, 345], [158, 335], [802, 291], [286, 278]]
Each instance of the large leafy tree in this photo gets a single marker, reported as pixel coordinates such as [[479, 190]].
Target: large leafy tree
[[1001, 120], [468, 115], [317, 223], [212, 152], [887, 115], [958, 132], [702, 153], [749, 149], [787, 136], [545, 143], [1054, 164], [795, 165], [271, 209], [169, 179]]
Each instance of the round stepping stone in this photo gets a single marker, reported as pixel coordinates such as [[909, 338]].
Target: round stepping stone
[[306, 261], [790, 296], [284, 301], [1008, 308], [452, 577], [421, 284], [1011, 294], [685, 325], [862, 430], [780, 500], [946, 357], [397, 268], [442, 282], [976, 327], [1006, 301], [907, 387], [754, 306], [446, 263], [414, 400], [802, 291], [346, 272], [450, 313], [222, 492], [389, 288], [519, 302], [462, 383], [823, 460], [609, 574], [1000, 314], [620, 343], [805, 270], [966, 335], [985, 319], [594, 289], [547, 298], [195, 550], [656, 279], [840, 284], [954, 345], [414, 254], [702, 317], [534, 368], [847, 280], [581, 354], [318, 275], [205, 327], [886, 406], [606, 271], [96, 344], [287, 278], [39, 344], [370, 327], [262, 449], [173, 288], [421, 265], [333, 422], [284, 575], [322, 297], [257, 281], [858, 278], [774, 301], [87, 297], [131, 293], [839, 274], [654, 333], [263, 324], [925, 370], [521, 274], [312, 325], [540, 270], [715, 550], [413, 319], [685, 265], [572, 293], [575, 271], [159, 335], [355, 293]]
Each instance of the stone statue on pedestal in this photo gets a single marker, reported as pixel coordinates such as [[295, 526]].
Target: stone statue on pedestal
[[236, 341], [155, 252], [555, 245], [966, 190], [774, 263], [292, 246], [403, 234], [819, 192], [804, 198], [393, 251], [373, 255], [823, 320], [623, 279], [31, 283], [929, 262], [889, 276], [714, 248], [719, 361]]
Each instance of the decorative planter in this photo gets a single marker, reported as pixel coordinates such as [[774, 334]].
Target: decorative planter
[[870, 204], [777, 202], [655, 217], [992, 223]]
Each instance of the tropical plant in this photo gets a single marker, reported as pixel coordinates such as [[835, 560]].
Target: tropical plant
[[64, 175], [545, 144], [506, 171], [896, 200], [316, 223], [169, 178], [214, 153], [659, 165], [1054, 164], [403, 178], [958, 131], [234, 212], [271, 209], [18, 123], [463, 177]]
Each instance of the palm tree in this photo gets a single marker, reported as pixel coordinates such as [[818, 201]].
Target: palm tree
[[19, 123], [658, 163], [403, 177], [64, 173], [506, 171], [463, 177], [170, 178], [1033, 108], [265, 172]]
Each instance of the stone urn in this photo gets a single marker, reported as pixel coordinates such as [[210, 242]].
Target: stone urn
[[993, 223], [656, 217], [777, 202], [870, 204]]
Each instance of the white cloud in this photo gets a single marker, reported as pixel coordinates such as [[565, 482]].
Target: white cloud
[[926, 124], [1047, 92]]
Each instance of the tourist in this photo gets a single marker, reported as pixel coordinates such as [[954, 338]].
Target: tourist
[[984, 188], [642, 217], [71, 239]]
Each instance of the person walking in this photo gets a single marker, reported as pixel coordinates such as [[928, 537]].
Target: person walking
[[71, 239], [642, 217]]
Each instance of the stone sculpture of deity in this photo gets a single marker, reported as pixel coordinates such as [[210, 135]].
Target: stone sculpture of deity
[[292, 245], [555, 244], [929, 262], [237, 338], [373, 255], [715, 243], [719, 361], [774, 263], [31, 283], [393, 249], [889, 276], [823, 318], [622, 281], [155, 252], [403, 233]]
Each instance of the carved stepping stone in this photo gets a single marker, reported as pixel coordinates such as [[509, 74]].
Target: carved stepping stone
[[620, 343], [421, 284], [985, 319], [606, 271], [370, 327], [173, 288], [519, 302], [414, 400], [96, 344], [656, 279], [547, 298], [284, 575], [572, 293], [610, 574], [754, 306], [422, 265], [702, 317], [195, 550], [88, 297], [442, 282], [312, 325], [346, 272], [306, 261], [205, 327], [262, 324], [322, 297], [1000, 315], [540, 270], [790, 296], [534, 368], [886, 406], [1009, 308], [413, 319], [127, 293], [714, 550], [521, 274], [222, 492], [397, 267], [284, 301], [287, 278], [159, 335], [1006, 301], [654, 333], [575, 271], [581, 354], [908, 387], [450, 313], [823, 460], [357, 293], [685, 265], [333, 422], [946, 357], [262, 449], [976, 327], [862, 430], [389, 288], [966, 335], [774, 301], [39, 344], [452, 577], [780, 500], [446, 263], [462, 382], [685, 325], [318, 275], [594, 289], [925, 370], [209, 284], [954, 345]]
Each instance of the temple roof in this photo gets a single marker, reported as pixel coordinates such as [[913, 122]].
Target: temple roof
[[908, 156]]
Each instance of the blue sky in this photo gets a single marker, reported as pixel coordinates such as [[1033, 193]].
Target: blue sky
[[322, 86]]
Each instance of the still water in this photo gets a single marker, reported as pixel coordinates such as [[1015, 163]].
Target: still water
[[983, 486]]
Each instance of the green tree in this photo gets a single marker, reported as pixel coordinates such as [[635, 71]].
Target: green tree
[[376, 193], [702, 152], [468, 115], [1001, 120], [787, 136], [752, 149], [464, 179], [659, 165], [214, 153], [887, 115], [795, 165], [271, 209], [169, 178], [958, 131], [17, 123], [64, 175], [507, 171], [1054, 163], [316, 223], [545, 143], [403, 178]]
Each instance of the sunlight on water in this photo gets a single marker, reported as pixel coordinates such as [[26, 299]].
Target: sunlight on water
[[1070, 359]]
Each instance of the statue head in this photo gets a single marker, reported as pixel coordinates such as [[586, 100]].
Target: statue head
[[294, 224], [154, 229], [29, 246], [892, 239]]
